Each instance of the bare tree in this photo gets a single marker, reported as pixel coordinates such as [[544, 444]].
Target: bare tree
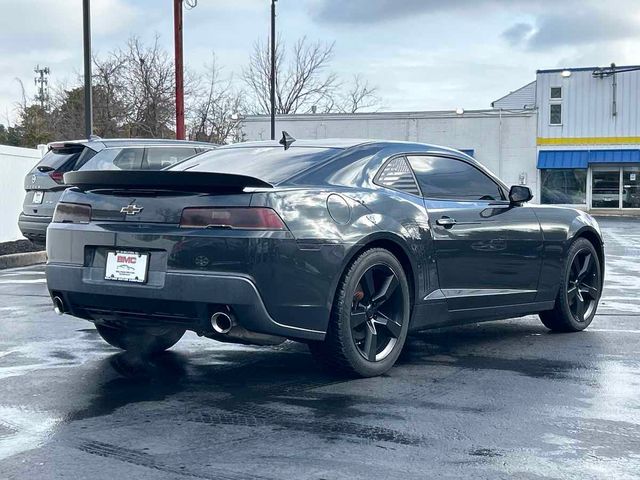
[[109, 101], [214, 108], [301, 81], [359, 96], [148, 86]]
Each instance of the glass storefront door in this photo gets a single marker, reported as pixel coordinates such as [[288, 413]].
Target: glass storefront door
[[605, 188], [631, 187]]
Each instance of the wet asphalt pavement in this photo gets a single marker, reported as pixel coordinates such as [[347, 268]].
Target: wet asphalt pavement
[[497, 400]]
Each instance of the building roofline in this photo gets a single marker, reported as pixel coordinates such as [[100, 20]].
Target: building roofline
[[489, 112], [584, 69], [513, 91]]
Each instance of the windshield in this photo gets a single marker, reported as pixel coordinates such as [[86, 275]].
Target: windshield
[[271, 164]]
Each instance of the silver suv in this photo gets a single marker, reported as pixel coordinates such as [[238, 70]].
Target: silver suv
[[44, 184]]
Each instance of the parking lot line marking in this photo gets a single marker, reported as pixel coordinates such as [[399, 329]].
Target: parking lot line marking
[[612, 330]]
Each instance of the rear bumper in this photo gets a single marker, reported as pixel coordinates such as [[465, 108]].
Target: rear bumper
[[34, 227], [187, 298]]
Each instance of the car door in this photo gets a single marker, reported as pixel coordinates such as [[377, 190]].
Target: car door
[[488, 252]]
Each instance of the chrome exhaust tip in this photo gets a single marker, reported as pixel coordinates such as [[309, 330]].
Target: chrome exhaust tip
[[58, 305], [221, 322]]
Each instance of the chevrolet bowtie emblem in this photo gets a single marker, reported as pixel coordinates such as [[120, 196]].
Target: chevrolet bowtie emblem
[[131, 209]]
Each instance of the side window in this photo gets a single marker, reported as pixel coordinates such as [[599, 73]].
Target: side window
[[115, 159], [129, 159], [442, 177], [161, 157], [397, 174]]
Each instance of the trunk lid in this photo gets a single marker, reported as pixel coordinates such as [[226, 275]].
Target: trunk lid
[[156, 197]]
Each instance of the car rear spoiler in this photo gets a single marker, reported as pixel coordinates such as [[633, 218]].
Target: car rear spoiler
[[183, 181]]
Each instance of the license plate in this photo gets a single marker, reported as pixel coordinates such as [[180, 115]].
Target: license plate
[[127, 266], [37, 197]]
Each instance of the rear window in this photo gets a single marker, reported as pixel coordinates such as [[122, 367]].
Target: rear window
[[271, 164], [61, 159]]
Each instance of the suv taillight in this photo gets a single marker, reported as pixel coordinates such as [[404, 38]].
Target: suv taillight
[[57, 177], [245, 218], [72, 213]]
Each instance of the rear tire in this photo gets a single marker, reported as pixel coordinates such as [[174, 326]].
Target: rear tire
[[580, 290], [369, 319], [143, 341]]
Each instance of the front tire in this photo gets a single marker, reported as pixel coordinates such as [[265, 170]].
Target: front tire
[[141, 341], [369, 319], [580, 290]]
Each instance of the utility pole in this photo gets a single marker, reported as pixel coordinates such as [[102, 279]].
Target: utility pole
[[42, 84], [177, 30], [88, 103], [273, 69]]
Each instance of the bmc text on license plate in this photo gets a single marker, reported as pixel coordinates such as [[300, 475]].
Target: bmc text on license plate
[[127, 266]]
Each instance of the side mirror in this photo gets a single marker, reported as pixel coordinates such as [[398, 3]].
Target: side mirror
[[519, 194]]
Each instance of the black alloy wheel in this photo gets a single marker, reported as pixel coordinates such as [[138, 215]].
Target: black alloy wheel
[[377, 313], [369, 319], [579, 292], [583, 285]]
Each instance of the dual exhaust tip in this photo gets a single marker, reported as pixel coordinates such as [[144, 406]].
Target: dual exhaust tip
[[222, 323], [58, 306]]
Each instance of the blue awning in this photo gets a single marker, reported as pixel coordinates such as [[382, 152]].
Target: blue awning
[[468, 151], [563, 159], [582, 158]]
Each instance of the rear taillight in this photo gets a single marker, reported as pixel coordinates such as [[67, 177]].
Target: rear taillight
[[57, 177], [72, 213], [252, 218]]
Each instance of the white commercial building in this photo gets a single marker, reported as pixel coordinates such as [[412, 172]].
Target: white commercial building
[[589, 137], [572, 135]]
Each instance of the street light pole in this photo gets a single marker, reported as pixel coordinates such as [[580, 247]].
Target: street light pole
[[88, 104], [177, 30], [273, 69]]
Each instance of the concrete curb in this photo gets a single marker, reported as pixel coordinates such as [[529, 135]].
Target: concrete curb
[[22, 259]]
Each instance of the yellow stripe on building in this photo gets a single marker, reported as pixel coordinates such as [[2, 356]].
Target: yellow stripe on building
[[588, 141]]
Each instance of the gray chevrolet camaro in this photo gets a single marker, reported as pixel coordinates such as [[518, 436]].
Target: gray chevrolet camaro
[[344, 245]]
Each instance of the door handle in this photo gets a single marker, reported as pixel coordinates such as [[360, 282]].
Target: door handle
[[446, 222]]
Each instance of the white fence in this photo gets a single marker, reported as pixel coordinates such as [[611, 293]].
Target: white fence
[[15, 163]]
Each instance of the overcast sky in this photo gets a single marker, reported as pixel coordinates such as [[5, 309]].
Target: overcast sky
[[421, 54]]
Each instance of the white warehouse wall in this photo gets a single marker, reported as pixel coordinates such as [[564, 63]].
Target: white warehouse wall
[[15, 163], [504, 141]]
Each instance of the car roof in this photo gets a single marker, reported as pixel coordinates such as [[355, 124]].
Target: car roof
[[345, 143], [97, 143]]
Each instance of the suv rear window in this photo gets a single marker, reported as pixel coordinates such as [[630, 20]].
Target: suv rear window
[[271, 164], [61, 159]]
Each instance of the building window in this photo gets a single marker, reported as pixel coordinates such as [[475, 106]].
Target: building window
[[564, 186], [556, 93], [631, 187], [555, 114]]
